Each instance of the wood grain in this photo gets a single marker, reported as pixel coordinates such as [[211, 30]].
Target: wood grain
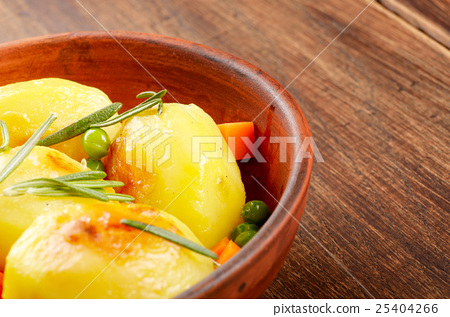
[[430, 16], [377, 104]]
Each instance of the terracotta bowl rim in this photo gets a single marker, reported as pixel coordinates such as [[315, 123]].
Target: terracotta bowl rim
[[295, 192]]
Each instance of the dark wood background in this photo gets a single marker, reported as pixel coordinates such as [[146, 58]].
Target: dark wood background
[[377, 101]]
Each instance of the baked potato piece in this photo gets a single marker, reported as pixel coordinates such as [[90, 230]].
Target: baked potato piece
[[24, 106], [87, 253], [41, 162], [179, 162], [17, 213]]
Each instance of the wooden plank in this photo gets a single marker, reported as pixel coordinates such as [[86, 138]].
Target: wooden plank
[[377, 104], [298, 277], [431, 16]]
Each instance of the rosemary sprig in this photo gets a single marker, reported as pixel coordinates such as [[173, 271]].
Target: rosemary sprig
[[81, 125], [170, 236], [139, 108], [29, 187], [5, 136], [73, 185], [23, 152], [147, 104], [102, 118]]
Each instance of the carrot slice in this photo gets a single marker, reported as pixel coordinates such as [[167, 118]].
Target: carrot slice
[[230, 250], [219, 247], [1, 284], [235, 133]]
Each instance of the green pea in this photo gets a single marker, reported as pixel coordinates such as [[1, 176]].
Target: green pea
[[96, 143], [255, 211], [95, 165], [244, 237], [242, 227]]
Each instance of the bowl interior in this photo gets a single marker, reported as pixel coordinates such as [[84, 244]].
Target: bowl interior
[[226, 87]]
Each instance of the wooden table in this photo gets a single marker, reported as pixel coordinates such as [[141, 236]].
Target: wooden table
[[376, 97]]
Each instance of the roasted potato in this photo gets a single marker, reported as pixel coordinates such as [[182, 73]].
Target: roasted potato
[[179, 162], [41, 162], [17, 213], [24, 107], [87, 253]]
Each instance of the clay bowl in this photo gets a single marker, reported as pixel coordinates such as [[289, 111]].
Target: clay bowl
[[227, 88]]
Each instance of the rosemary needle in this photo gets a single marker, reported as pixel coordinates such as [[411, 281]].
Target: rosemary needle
[[170, 236], [96, 184], [120, 197], [23, 152], [132, 112], [80, 176], [146, 94], [81, 125], [152, 95], [5, 136]]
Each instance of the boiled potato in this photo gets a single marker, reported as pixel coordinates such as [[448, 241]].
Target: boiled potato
[[179, 162], [41, 162], [17, 213], [87, 253], [24, 107]]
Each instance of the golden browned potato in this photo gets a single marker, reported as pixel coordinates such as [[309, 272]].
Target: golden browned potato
[[87, 253], [178, 161], [41, 162], [17, 213], [24, 107]]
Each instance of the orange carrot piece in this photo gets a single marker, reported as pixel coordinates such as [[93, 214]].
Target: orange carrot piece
[[234, 134], [1, 284], [219, 247], [230, 250]]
